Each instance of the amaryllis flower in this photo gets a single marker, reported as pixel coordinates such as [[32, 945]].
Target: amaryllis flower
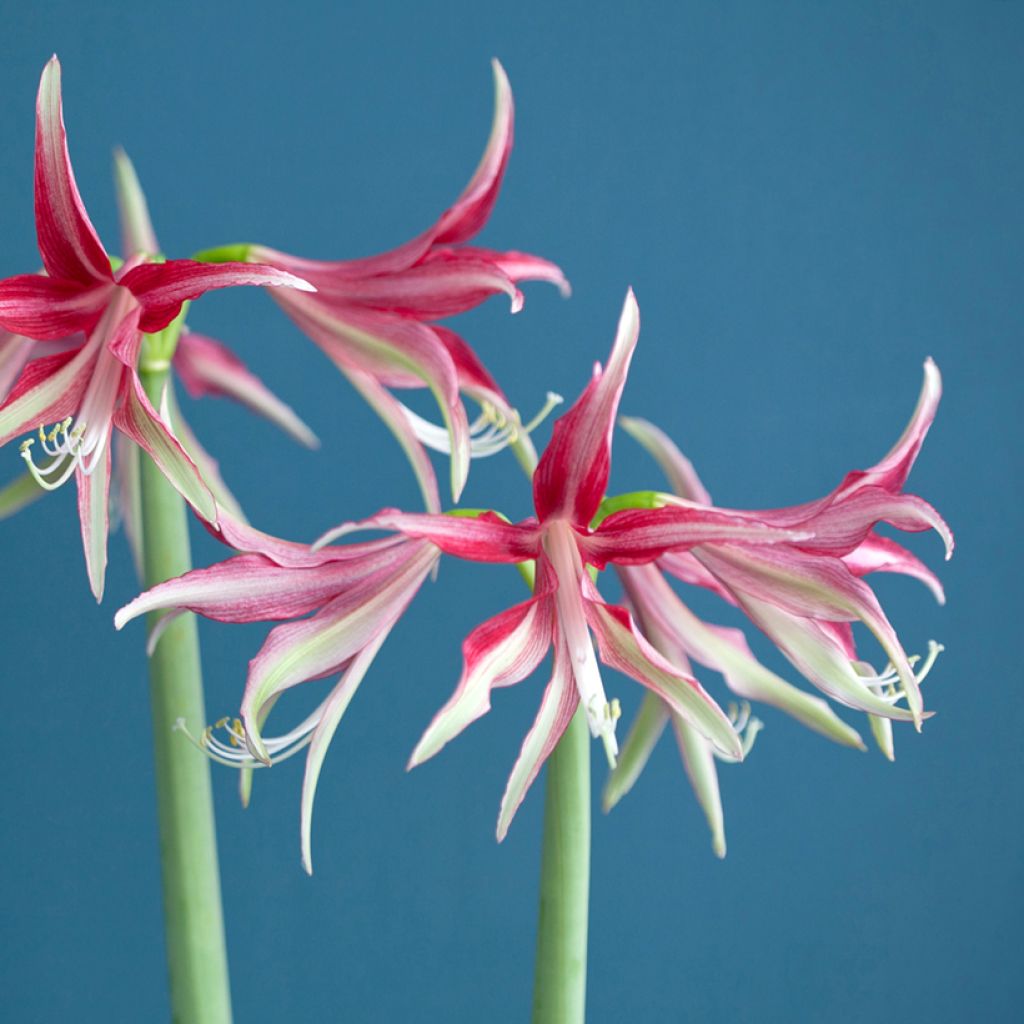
[[375, 318], [100, 316], [357, 593], [568, 487], [806, 593]]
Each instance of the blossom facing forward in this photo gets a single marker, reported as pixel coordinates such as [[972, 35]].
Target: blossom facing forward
[[93, 319], [375, 318], [566, 608], [803, 594], [356, 592]]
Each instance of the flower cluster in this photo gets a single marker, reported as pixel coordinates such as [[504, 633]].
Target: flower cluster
[[84, 332]]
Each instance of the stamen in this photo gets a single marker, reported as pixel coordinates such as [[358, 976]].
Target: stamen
[[66, 449]]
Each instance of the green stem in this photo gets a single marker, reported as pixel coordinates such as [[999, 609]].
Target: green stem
[[560, 975], [196, 950]]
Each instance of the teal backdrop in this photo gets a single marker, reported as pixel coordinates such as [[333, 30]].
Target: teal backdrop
[[809, 199]]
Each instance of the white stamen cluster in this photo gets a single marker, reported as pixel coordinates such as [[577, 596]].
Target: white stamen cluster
[[67, 447]]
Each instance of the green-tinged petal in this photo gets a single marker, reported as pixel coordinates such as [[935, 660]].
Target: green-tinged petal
[[644, 733], [137, 234], [700, 766], [20, 493], [94, 512]]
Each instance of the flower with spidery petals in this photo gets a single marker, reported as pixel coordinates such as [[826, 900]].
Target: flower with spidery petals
[[356, 593], [375, 318], [90, 386], [566, 608], [802, 594]]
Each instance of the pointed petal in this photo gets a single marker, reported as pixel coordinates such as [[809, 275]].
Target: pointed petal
[[623, 647], [483, 538], [68, 242], [471, 210], [333, 709], [45, 308], [94, 513], [48, 389], [557, 707], [880, 554], [572, 474], [206, 367], [643, 734], [635, 536], [499, 652], [522, 266], [299, 651], [137, 418], [682, 477], [137, 234], [129, 495], [699, 762], [161, 288]]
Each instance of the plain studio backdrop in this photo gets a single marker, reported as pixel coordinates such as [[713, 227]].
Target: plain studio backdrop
[[809, 199]]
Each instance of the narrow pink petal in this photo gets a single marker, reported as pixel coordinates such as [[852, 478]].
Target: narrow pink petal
[[635, 536], [127, 470], [880, 554], [68, 242], [395, 351], [473, 376], [15, 352], [446, 283], [137, 418], [892, 471], [93, 511], [557, 707], [471, 210], [46, 308], [623, 647], [682, 477], [685, 566], [572, 475], [483, 538], [308, 649], [699, 762], [521, 266], [499, 652], [161, 288], [137, 234], [206, 367], [48, 389]]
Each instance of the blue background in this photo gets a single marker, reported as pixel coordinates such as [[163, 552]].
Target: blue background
[[809, 199]]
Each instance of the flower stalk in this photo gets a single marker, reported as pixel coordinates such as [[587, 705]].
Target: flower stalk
[[194, 926]]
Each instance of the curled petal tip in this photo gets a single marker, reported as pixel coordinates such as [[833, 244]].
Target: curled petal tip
[[517, 301]]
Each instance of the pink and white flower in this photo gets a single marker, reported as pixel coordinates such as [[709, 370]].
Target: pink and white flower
[[87, 384], [375, 318], [568, 488], [356, 592]]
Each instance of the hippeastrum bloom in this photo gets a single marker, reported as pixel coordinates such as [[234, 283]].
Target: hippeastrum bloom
[[568, 487], [100, 315], [803, 594], [375, 318], [357, 593]]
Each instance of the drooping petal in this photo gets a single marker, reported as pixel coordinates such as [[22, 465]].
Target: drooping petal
[[93, 511], [48, 389], [572, 474], [137, 418], [68, 242], [637, 535], [128, 471], [46, 308], [881, 554], [18, 494], [483, 538], [137, 234], [299, 651], [471, 210], [499, 652], [623, 647], [331, 714], [206, 367], [635, 752], [682, 477], [522, 266], [161, 288], [699, 761], [557, 707]]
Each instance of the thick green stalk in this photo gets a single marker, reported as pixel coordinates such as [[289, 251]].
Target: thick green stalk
[[196, 951], [560, 975]]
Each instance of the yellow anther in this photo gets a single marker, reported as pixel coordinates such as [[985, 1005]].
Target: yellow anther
[[42, 432], [26, 444], [220, 723]]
